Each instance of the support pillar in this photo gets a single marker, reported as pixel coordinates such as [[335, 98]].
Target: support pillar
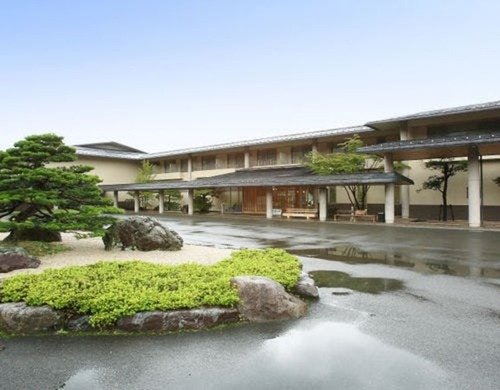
[[190, 168], [322, 204], [115, 198], [190, 201], [314, 147], [247, 159], [136, 201], [474, 172], [404, 190], [389, 190], [269, 202], [161, 200]]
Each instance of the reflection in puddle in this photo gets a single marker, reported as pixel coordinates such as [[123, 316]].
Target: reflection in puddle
[[353, 255], [329, 355], [366, 285], [83, 379]]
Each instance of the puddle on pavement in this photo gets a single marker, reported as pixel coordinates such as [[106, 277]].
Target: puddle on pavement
[[353, 255], [329, 355], [367, 285]]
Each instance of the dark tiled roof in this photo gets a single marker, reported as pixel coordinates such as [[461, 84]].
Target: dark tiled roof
[[311, 135], [106, 153], [273, 177], [442, 112], [430, 143], [111, 145]]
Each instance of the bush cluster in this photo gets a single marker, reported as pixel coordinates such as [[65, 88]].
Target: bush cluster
[[110, 290]]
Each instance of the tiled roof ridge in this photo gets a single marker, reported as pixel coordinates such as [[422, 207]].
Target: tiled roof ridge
[[443, 111]]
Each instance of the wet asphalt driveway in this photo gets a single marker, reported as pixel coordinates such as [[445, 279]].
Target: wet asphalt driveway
[[424, 313]]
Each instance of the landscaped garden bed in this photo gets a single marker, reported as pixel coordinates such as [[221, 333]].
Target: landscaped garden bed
[[106, 292]]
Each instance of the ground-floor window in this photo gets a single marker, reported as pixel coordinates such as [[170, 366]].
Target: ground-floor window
[[254, 198], [232, 199]]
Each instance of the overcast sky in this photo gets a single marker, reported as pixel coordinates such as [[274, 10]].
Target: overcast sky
[[161, 75]]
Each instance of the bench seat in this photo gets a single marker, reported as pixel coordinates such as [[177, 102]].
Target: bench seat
[[300, 213]]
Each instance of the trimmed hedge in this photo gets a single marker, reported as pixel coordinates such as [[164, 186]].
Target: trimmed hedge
[[110, 290]]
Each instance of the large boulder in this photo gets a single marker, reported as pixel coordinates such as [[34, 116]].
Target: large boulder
[[18, 318], [12, 258], [263, 299], [142, 233]]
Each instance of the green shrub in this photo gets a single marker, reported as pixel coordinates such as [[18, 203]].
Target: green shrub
[[110, 290]]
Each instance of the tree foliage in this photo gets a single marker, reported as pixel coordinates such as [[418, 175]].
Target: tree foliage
[[203, 199], [345, 162], [446, 168], [145, 174], [36, 196], [172, 199]]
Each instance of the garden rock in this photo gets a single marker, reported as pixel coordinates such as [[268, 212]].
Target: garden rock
[[306, 287], [12, 258], [263, 299], [178, 319], [18, 318], [142, 233]]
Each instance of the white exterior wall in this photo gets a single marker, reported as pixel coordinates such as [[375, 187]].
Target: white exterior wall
[[491, 190], [111, 171]]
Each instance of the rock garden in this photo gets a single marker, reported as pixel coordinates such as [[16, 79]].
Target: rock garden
[[132, 296]]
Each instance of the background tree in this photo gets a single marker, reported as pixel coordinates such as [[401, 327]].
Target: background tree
[[145, 174], [447, 168], [38, 201], [347, 161], [172, 200], [203, 199]]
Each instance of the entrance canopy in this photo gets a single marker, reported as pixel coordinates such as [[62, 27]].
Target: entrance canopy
[[267, 177]]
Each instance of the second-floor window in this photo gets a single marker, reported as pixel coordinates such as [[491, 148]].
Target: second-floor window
[[171, 166], [235, 160], [207, 162], [299, 153], [184, 165], [266, 157]]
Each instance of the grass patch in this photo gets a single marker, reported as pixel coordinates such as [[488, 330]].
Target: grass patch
[[37, 248], [110, 290]]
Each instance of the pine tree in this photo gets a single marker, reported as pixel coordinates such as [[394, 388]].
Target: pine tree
[[39, 198]]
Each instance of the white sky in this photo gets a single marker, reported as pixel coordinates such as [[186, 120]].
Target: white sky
[[165, 74]]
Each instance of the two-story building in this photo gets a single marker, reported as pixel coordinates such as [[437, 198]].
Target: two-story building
[[266, 176]]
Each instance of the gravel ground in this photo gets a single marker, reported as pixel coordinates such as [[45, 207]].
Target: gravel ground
[[90, 250]]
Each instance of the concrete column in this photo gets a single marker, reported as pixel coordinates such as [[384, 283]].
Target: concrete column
[[474, 172], [269, 202], [190, 168], [314, 148], [190, 201], [404, 191], [115, 198], [322, 204], [247, 159], [136, 201], [161, 200], [389, 190]]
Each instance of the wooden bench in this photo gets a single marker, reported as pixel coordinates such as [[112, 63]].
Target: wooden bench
[[358, 215], [363, 216], [300, 213], [343, 214]]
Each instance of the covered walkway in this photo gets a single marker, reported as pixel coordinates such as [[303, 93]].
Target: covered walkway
[[269, 179]]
